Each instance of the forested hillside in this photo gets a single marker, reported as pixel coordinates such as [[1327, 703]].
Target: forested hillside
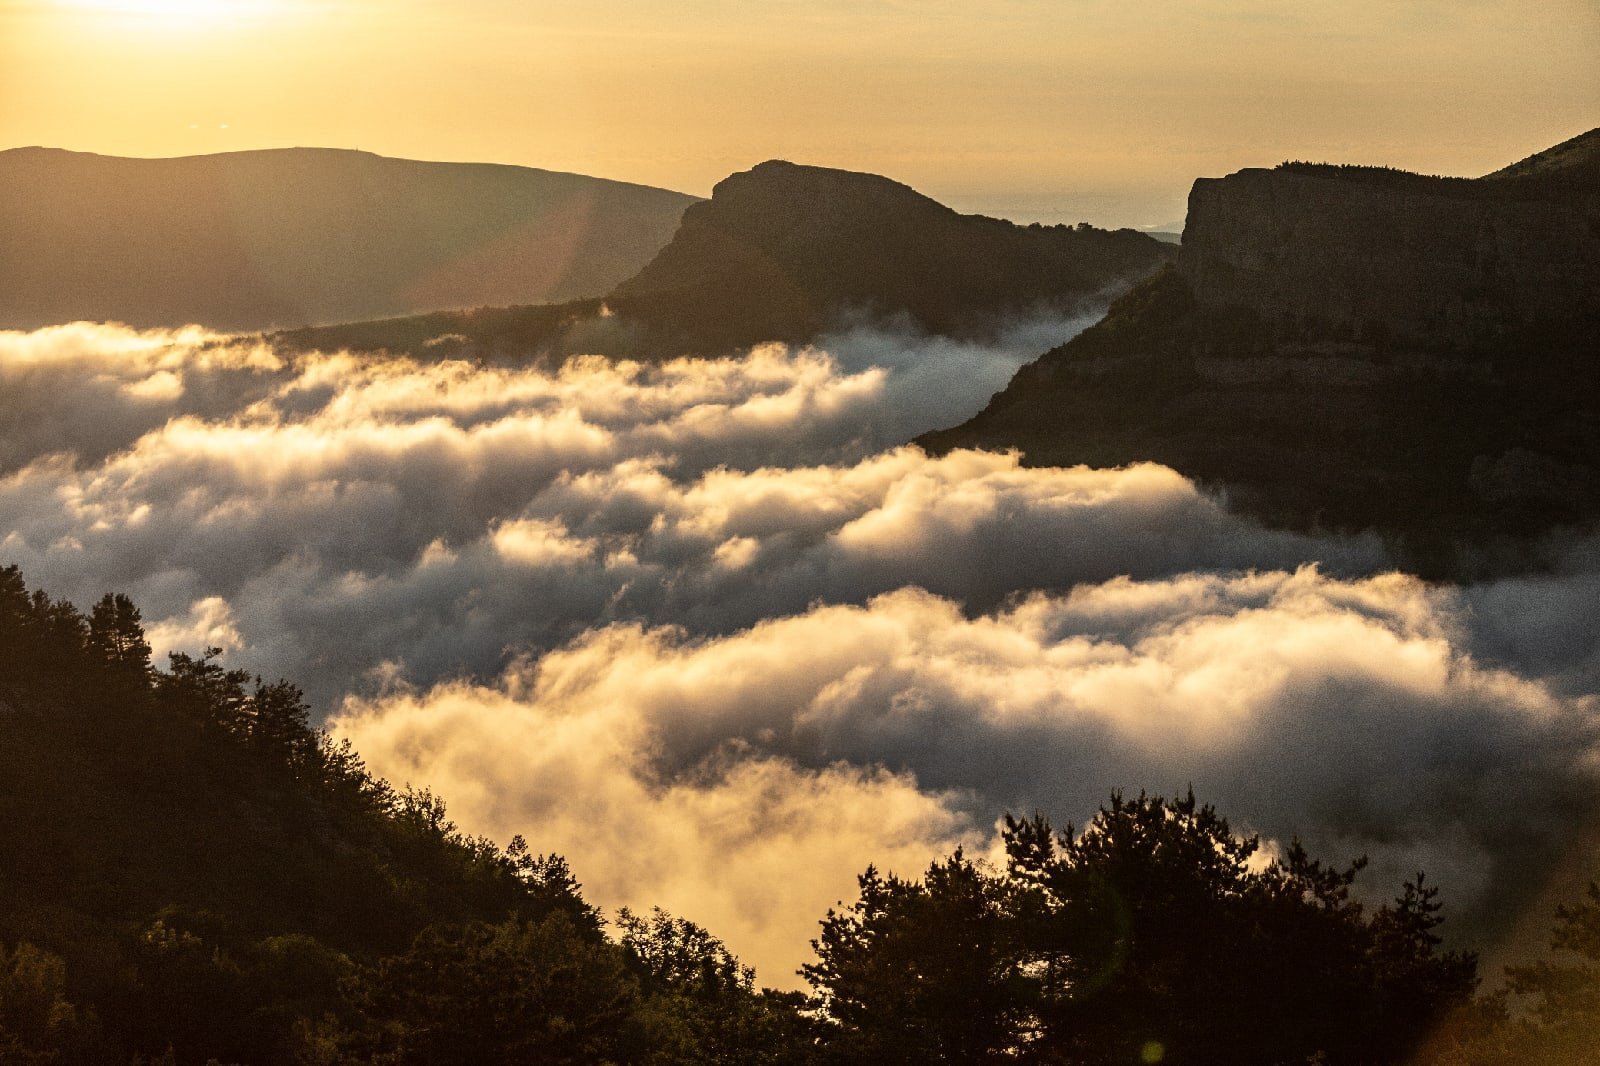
[[188, 869], [189, 872]]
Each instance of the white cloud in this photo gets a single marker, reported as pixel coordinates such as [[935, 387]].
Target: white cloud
[[209, 624], [1341, 711], [703, 627]]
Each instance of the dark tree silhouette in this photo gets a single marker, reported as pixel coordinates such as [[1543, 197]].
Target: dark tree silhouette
[[516, 993], [1548, 1013], [702, 1005], [190, 872], [116, 630], [922, 971], [1155, 934]]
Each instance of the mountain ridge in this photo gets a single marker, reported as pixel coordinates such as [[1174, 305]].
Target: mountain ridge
[[1580, 153], [333, 151], [1350, 349], [782, 248], [784, 251], [278, 237]]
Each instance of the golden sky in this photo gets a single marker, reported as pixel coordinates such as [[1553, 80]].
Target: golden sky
[[1056, 110]]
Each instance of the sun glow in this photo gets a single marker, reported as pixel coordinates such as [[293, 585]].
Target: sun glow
[[178, 12]]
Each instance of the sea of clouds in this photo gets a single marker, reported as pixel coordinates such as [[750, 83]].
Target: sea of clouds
[[712, 631]]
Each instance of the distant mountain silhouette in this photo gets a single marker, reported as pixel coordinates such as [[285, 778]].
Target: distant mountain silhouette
[[254, 240], [1354, 347], [782, 252], [779, 251]]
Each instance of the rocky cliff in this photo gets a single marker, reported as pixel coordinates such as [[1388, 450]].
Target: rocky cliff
[[1354, 348], [1349, 251]]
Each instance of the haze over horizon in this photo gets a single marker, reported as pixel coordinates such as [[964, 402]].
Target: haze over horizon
[[1030, 111]]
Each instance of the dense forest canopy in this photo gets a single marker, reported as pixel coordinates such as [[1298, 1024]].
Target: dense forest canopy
[[189, 872]]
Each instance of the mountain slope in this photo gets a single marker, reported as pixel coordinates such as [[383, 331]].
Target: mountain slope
[[1352, 348], [781, 249], [1577, 159], [191, 874], [251, 240], [782, 252], [207, 864]]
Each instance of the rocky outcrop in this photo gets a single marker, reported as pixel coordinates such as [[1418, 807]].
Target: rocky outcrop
[[1356, 253], [1354, 348]]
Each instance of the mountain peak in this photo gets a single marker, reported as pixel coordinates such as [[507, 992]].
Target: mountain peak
[[777, 175], [784, 251], [783, 248]]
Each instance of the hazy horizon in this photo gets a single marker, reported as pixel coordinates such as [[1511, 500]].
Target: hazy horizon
[[1019, 109]]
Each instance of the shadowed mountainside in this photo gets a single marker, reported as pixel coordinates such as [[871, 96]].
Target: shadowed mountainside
[[253, 240], [781, 252], [1360, 251], [1353, 347], [781, 249]]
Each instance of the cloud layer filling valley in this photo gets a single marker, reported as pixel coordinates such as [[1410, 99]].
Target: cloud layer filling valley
[[706, 630]]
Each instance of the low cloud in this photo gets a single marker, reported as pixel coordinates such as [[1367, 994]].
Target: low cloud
[[754, 847], [1344, 712], [935, 382], [362, 515], [709, 629], [92, 389], [414, 549]]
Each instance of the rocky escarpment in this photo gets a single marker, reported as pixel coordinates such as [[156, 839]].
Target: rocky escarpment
[[1354, 348], [1360, 254]]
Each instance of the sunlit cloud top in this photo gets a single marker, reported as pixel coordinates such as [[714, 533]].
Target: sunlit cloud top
[[701, 627]]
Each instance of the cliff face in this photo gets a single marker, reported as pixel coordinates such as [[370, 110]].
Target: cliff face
[[1354, 348], [1356, 253]]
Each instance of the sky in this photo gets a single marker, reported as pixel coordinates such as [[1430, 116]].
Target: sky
[[1037, 110]]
